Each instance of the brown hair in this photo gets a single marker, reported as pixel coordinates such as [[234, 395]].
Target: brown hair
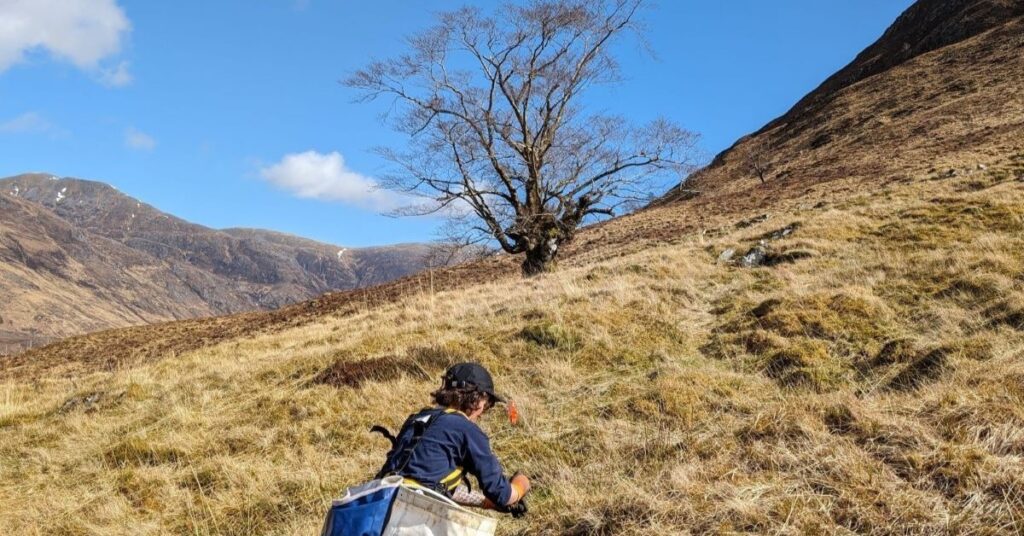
[[464, 399]]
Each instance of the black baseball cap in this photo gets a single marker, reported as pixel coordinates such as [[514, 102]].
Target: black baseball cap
[[463, 374]]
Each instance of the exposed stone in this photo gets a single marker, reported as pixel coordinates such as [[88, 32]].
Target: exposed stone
[[727, 255], [755, 256], [752, 221], [779, 234], [87, 402]]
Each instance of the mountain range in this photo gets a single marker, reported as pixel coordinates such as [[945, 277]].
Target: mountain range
[[78, 256]]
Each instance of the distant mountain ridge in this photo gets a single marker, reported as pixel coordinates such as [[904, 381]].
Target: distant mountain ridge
[[78, 255]]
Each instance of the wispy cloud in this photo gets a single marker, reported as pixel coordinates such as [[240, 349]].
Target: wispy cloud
[[32, 123], [82, 32], [313, 175], [118, 76], [138, 140]]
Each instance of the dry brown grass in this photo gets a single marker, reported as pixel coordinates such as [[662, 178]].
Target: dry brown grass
[[876, 387]]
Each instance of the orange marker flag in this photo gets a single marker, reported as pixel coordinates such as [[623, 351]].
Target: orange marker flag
[[513, 413]]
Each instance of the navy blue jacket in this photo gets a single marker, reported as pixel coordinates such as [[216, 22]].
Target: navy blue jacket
[[451, 447]]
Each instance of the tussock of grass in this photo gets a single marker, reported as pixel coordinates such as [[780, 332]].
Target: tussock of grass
[[1007, 312], [791, 255], [421, 363], [921, 370], [550, 335], [137, 450]]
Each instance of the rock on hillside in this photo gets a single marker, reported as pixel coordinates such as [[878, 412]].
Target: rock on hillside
[[79, 255]]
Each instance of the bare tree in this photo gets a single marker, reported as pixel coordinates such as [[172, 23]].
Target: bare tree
[[757, 154], [491, 102]]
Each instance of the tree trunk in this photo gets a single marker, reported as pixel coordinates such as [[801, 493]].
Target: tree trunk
[[538, 258]]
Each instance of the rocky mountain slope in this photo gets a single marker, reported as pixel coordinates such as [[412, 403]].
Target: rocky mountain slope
[[79, 256], [864, 376]]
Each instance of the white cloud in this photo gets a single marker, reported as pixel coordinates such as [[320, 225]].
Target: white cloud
[[32, 123], [82, 32], [118, 76], [136, 139], [314, 175]]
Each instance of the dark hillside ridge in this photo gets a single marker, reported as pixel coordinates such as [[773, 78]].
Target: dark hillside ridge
[[926, 26], [944, 78]]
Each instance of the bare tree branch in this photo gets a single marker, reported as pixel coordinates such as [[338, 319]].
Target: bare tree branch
[[491, 102]]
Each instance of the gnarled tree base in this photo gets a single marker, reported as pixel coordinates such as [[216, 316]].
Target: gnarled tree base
[[538, 259]]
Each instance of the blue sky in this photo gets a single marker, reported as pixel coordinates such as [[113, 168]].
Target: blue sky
[[194, 106]]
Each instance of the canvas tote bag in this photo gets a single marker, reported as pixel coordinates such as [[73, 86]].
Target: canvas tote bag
[[422, 512]]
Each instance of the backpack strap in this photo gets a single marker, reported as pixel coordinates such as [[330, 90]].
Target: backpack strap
[[420, 423], [386, 433]]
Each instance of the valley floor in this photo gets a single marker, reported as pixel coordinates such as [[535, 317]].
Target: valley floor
[[869, 381]]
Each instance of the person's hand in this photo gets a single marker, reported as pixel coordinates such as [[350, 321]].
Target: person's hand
[[518, 509]]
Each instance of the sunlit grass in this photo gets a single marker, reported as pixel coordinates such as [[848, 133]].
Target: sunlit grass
[[876, 387]]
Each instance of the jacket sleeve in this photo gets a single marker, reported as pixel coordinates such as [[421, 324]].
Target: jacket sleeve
[[484, 465]]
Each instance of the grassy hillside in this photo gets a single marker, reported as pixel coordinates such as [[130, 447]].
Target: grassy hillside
[[871, 382]]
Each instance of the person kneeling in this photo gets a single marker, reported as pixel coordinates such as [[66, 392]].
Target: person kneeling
[[437, 447]]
